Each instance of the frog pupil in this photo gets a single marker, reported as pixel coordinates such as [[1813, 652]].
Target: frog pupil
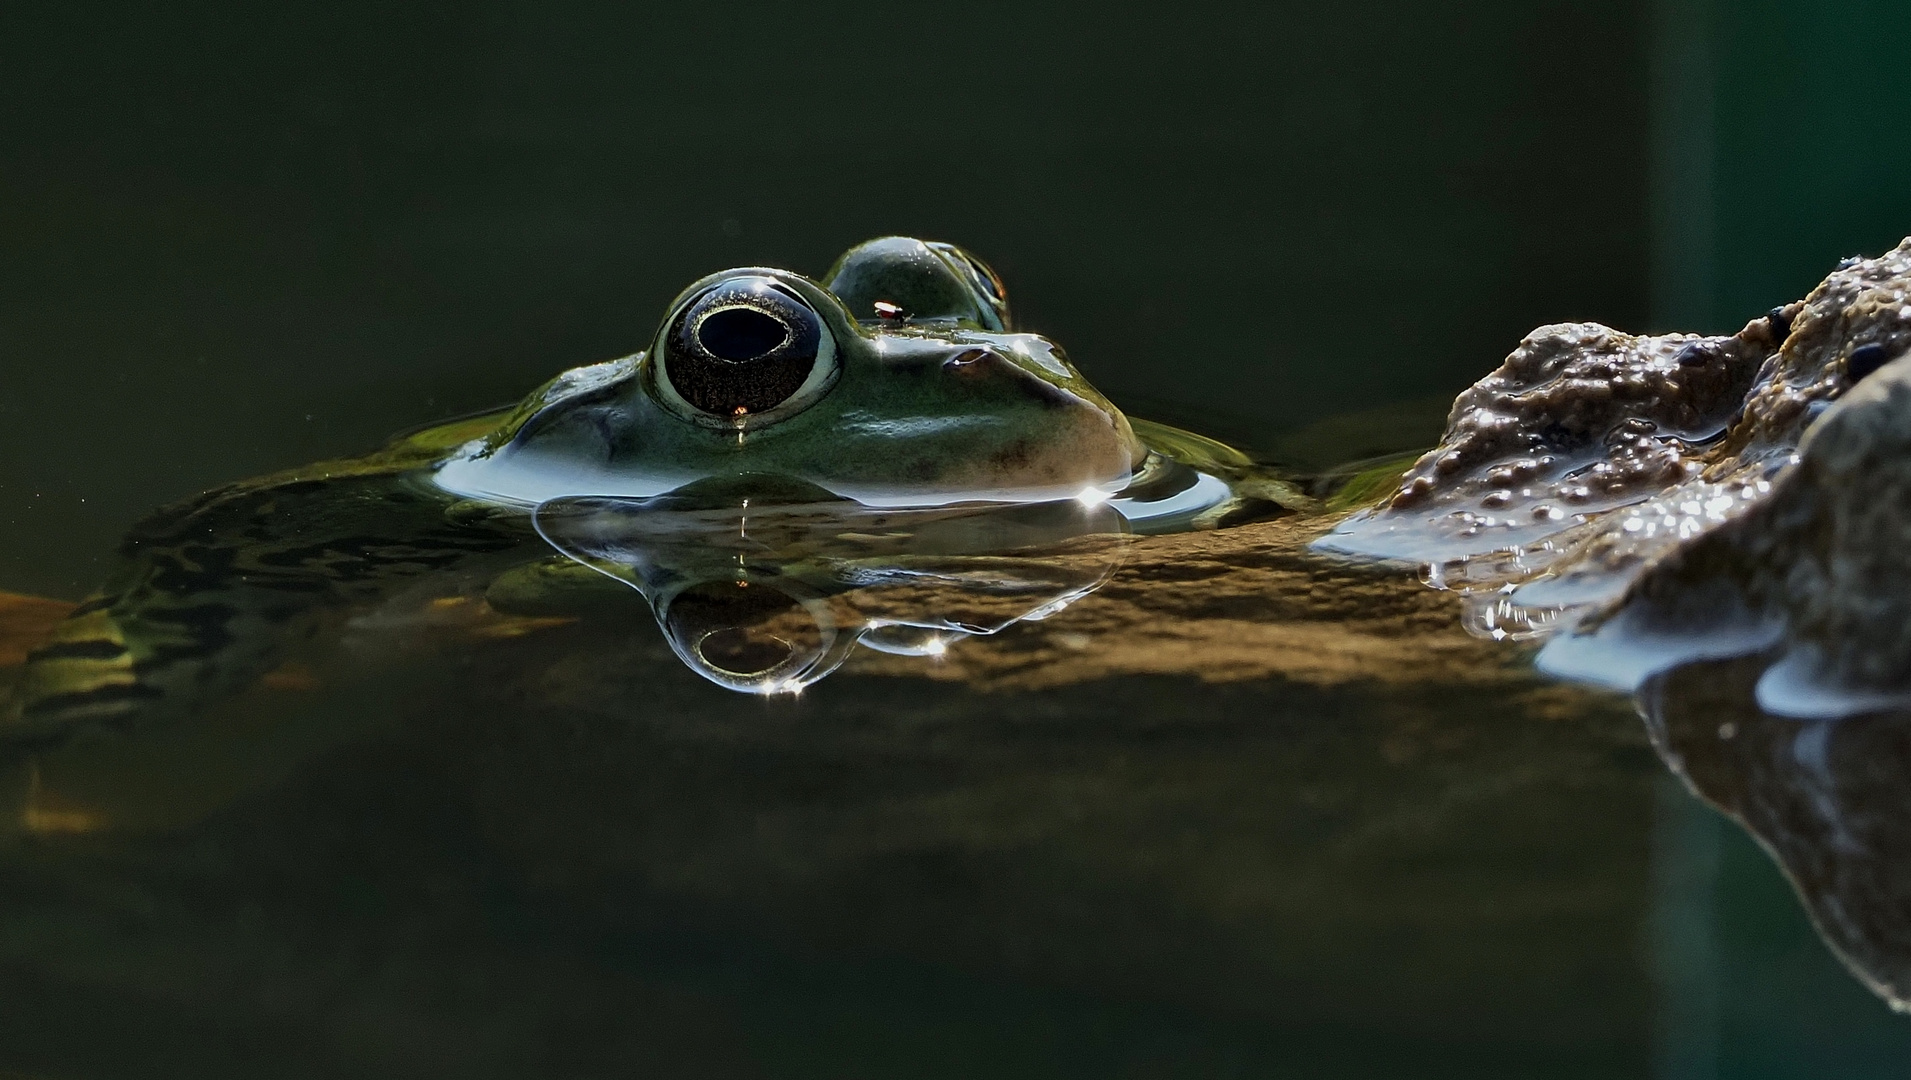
[[743, 346], [738, 334]]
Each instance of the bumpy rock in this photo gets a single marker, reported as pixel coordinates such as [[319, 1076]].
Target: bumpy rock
[[1819, 569], [1579, 419], [1852, 323], [1674, 497]]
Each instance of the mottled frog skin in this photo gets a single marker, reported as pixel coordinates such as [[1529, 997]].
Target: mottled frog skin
[[897, 381]]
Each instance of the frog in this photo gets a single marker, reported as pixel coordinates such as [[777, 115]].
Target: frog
[[896, 381]]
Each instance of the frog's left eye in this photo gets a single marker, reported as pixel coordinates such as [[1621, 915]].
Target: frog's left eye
[[744, 352]]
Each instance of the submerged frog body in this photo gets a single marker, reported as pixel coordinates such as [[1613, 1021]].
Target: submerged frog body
[[898, 381]]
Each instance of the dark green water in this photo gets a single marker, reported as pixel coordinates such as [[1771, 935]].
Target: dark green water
[[235, 240]]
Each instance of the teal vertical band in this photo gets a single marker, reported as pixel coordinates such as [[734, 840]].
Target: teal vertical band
[[1682, 937], [1684, 245]]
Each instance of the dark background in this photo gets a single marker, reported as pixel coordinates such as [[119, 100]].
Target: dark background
[[234, 239]]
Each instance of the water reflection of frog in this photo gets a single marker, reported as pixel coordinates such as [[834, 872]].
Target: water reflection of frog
[[896, 382], [771, 599]]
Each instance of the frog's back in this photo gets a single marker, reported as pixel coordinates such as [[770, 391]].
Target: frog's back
[[207, 593]]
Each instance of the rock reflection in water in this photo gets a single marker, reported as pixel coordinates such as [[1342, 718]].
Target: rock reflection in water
[[1825, 797], [769, 599]]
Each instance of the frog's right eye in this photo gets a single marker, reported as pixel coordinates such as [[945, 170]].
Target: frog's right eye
[[901, 278], [744, 352], [985, 281]]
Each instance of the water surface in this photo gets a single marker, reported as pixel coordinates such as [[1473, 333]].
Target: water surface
[[1242, 811]]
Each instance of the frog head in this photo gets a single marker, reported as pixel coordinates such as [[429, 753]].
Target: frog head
[[897, 380]]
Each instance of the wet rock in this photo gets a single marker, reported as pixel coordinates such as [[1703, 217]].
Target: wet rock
[[1863, 304], [1819, 571], [1579, 419], [1582, 419], [1676, 497]]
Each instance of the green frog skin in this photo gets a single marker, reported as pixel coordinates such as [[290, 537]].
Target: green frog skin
[[897, 381]]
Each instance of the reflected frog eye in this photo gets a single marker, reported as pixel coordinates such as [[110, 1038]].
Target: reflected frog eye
[[744, 352]]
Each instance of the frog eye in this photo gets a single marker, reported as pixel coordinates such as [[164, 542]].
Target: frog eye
[[744, 352], [985, 281]]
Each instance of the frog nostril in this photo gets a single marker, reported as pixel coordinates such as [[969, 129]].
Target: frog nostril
[[739, 334]]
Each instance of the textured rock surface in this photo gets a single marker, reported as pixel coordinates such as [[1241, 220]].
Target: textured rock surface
[[1821, 566], [1579, 419], [1852, 323], [1674, 497]]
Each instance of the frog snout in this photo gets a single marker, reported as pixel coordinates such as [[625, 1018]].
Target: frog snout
[[979, 366]]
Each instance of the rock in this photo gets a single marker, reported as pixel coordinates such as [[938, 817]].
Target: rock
[[1579, 419], [1819, 570], [1662, 499]]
